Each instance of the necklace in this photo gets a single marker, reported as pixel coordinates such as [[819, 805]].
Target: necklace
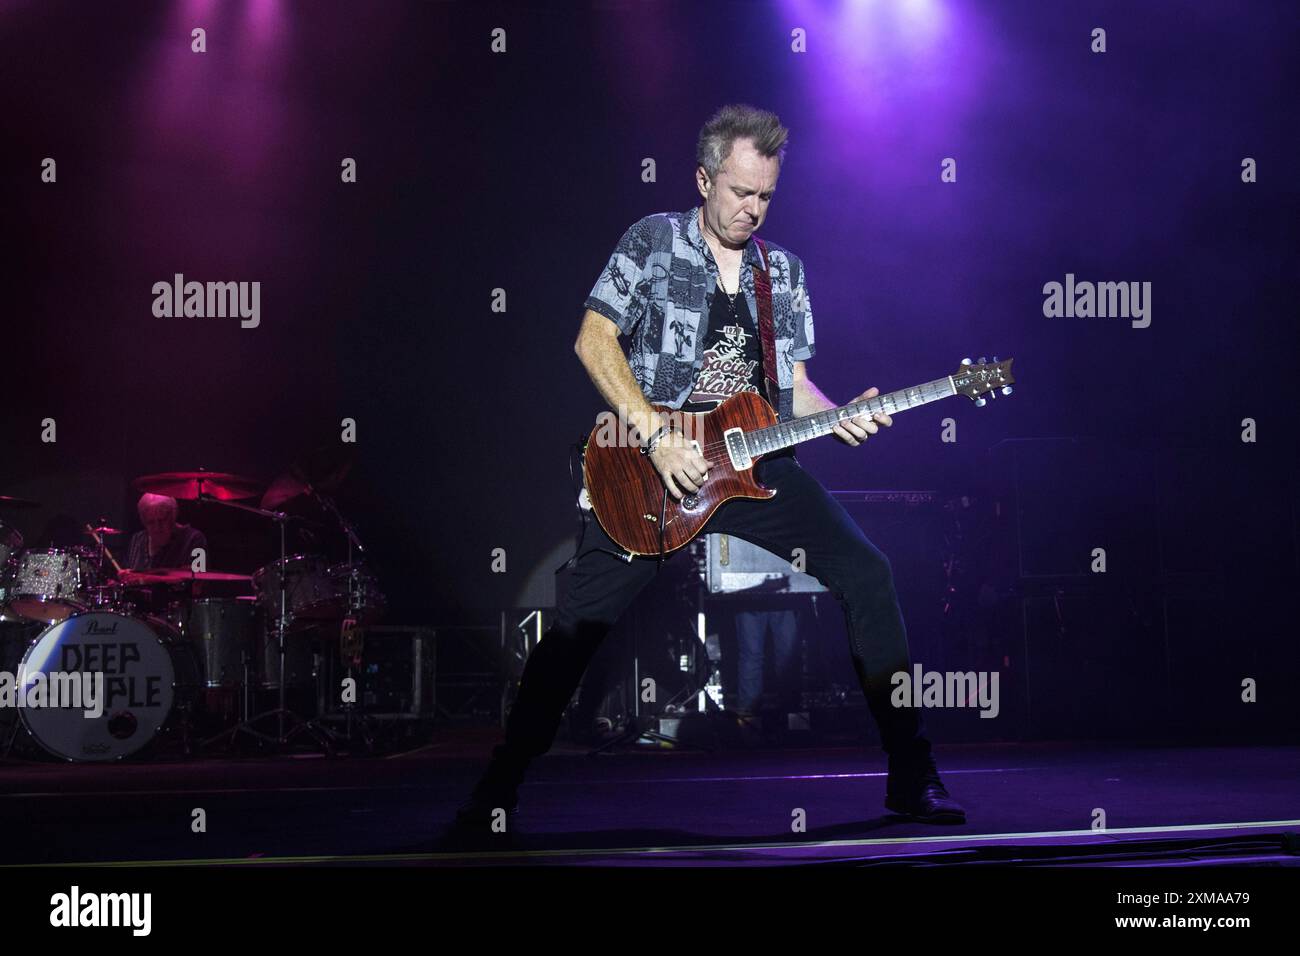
[[731, 297]]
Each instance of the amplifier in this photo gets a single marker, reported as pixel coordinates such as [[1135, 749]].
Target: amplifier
[[734, 566], [909, 499]]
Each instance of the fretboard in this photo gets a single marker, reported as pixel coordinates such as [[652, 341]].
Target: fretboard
[[762, 441]]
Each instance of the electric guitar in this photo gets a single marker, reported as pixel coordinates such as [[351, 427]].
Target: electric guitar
[[635, 509]]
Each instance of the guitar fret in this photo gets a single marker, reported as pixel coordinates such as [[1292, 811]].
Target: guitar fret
[[762, 441]]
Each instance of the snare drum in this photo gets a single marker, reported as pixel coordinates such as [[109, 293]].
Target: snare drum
[[358, 593], [51, 585], [150, 673]]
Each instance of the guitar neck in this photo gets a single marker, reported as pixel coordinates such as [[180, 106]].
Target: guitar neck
[[763, 441]]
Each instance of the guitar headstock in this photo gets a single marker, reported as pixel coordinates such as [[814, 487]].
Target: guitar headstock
[[977, 379]]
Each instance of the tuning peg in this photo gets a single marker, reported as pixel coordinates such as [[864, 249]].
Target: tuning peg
[[995, 360], [965, 361], [1006, 389], [980, 402], [983, 360]]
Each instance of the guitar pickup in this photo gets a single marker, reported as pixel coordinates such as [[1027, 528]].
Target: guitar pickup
[[736, 449]]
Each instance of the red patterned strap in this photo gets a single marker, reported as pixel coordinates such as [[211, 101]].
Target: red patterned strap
[[766, 327]]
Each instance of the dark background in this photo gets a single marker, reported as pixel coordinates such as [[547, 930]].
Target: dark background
[[519, 171]]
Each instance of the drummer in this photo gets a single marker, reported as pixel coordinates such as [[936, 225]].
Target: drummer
[[163, 543]]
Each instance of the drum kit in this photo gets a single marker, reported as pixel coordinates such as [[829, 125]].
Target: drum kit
[[182, 649]]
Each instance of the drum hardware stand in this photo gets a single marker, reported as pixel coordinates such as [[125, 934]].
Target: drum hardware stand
[[351, 646], [186, 726], [633, 732], [282, 711], [13, 737], [364, 727], [106, 558]]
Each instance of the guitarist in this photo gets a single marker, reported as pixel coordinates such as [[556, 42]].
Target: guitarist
[[683, 286]]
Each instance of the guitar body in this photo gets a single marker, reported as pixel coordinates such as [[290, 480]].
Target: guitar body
[[627, 493]]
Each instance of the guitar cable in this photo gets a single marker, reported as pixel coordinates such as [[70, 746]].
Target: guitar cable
[[663, 514], [581, 447]]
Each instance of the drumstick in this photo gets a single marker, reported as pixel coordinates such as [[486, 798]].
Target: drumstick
[[100, 541]]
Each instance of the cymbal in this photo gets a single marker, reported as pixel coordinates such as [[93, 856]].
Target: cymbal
[[103, 529], [284, 488], [322, 469], [8, 501], [188, 484], [326, 466], [182, 576]]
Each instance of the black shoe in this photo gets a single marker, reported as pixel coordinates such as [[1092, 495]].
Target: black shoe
[[497, 789], [481, 810], [594, 734], [750, 728], [915, 790]]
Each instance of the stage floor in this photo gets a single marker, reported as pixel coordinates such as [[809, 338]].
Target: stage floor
[[658, 808]]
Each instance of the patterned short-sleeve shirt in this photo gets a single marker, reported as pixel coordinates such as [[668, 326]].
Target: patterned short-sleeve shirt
[[658, 286]]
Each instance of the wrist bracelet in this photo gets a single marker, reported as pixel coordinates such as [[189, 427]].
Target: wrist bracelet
[[653, 441]]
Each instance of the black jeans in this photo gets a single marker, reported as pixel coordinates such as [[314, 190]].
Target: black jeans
[[801, 515]]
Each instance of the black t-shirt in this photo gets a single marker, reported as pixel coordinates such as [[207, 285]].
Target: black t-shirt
[[733, 356]]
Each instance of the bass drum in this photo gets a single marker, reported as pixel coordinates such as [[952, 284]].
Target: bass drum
[[149, 675]]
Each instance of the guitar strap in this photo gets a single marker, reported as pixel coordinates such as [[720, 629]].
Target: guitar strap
[[766, 327]]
